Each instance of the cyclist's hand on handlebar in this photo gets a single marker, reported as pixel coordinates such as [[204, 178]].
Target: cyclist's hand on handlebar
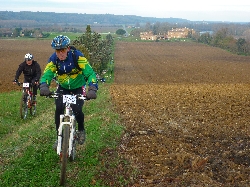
[[91, 92], [35, 82], [44, 90], [15, 81]]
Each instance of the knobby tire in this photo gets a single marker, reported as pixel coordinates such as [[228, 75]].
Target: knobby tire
[[65, 146]]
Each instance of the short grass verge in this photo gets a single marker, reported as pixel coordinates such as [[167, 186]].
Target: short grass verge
[[26, 154]]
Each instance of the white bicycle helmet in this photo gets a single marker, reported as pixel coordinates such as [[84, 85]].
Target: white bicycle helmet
[[28, 56]]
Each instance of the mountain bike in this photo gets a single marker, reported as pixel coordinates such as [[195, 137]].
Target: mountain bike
[[67, 135], [27, 102]]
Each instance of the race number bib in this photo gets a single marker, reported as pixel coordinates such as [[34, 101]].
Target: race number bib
[[69, 99], [26, 85]]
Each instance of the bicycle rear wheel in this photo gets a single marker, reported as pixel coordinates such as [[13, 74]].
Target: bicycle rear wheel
[[64, 157], [24, 106]]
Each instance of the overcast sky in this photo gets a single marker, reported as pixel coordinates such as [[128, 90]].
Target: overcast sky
[[193, 10]]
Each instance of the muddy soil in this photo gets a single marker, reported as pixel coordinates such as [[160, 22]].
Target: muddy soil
[[12, 54], [185, 107]]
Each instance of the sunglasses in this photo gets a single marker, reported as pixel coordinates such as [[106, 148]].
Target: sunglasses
[[61, 50]]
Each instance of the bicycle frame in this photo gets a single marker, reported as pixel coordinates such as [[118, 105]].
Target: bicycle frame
[[27, 89], [66, 132], [27, 100], [68, 100]]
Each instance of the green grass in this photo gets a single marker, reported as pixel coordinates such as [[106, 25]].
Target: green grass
[[26, 154], [52, 35], [71, 35]]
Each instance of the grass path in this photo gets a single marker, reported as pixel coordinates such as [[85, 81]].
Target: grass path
[[27, 157], [15, 143]]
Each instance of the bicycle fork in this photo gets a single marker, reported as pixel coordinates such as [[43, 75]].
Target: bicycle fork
[[28, 97], [70, 121]]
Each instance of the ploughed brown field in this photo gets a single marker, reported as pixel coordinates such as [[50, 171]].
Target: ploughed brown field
[[185, 107], [12, 54]]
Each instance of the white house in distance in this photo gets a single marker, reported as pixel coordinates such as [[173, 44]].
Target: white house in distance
[[173, 33]]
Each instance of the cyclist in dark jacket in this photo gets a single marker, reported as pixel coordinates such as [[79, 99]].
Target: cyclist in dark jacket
[[31, 71]]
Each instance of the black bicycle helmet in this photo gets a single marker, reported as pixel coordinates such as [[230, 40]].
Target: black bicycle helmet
[[60, 42], [28, 56]]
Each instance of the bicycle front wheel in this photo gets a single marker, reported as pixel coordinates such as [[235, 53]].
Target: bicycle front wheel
[[73, 150], [65, 146], [24, 106]]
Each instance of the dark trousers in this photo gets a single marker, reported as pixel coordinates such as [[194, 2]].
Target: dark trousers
[[77, 108], [35, 87]]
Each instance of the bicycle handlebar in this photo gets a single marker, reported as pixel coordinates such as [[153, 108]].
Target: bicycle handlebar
[[56, 95], [20, 83]]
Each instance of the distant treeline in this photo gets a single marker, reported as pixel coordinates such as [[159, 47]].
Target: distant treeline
[[223, 39], [50, 18], [74, 21]]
